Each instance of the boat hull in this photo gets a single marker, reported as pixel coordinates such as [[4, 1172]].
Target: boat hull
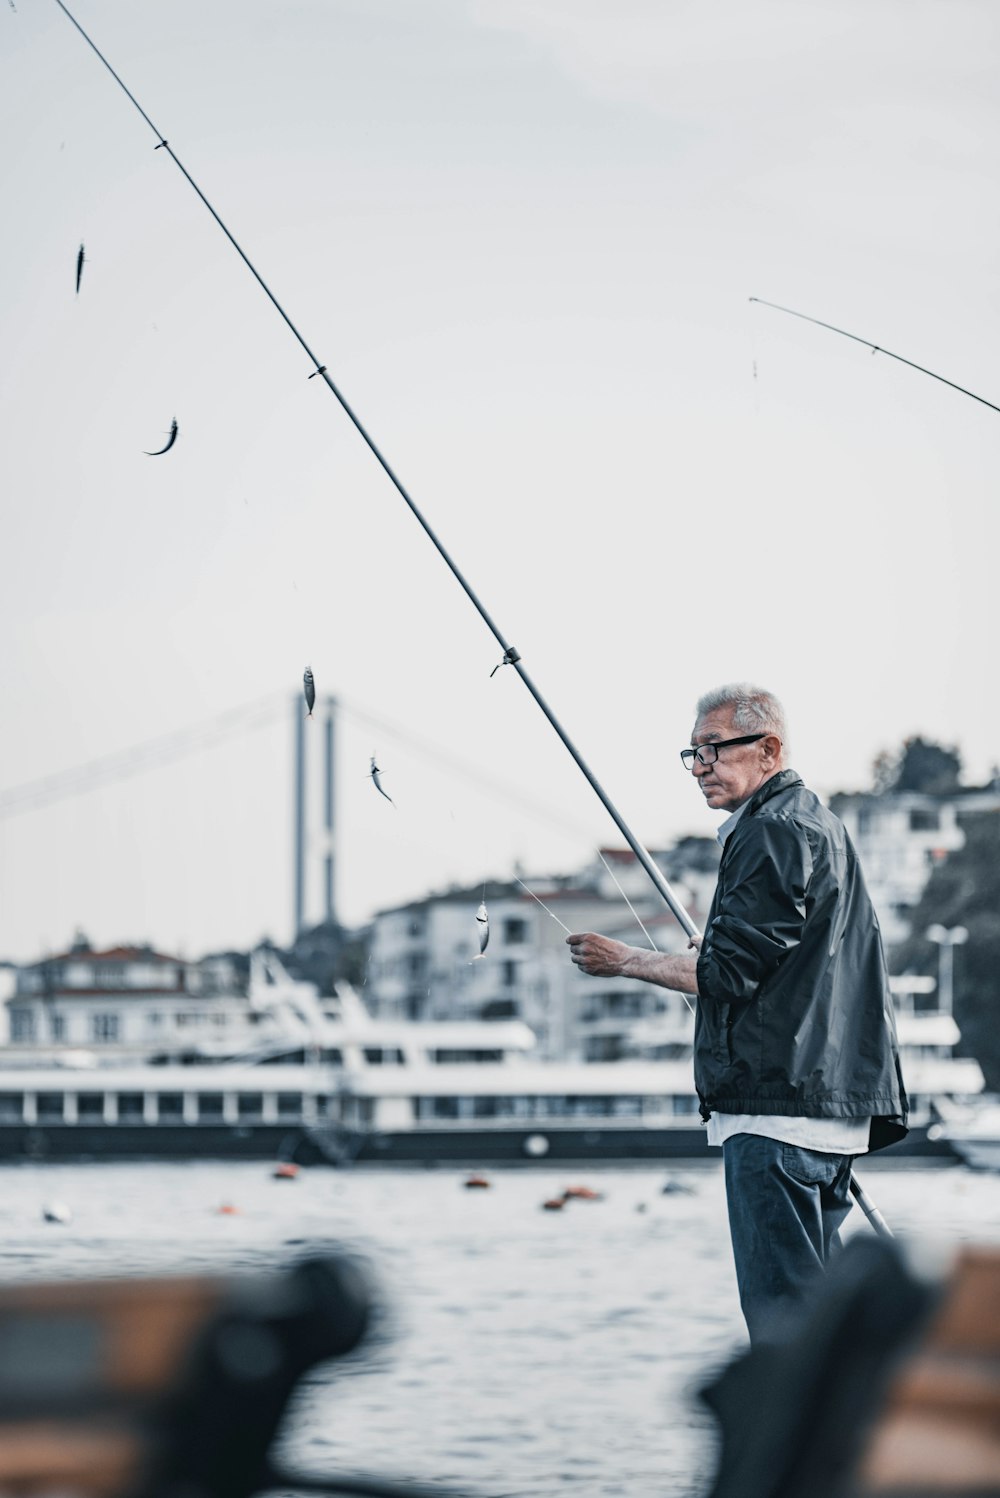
[[425, 1146]]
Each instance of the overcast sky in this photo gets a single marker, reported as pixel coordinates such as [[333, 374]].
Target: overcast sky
[[523, 235]]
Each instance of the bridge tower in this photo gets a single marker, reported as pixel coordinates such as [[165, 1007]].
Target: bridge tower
[[315, 813]]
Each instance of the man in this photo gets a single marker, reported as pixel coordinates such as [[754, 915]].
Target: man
[[795, 1055]]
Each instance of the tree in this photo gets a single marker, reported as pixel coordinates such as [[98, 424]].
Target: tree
[[920, 765], [964, 890]]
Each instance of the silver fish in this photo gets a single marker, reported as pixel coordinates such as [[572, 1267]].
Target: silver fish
[[309, 687], [375, 772], [169, 443], [483, 922]]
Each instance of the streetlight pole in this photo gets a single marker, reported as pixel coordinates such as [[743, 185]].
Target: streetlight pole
[[946, 939]]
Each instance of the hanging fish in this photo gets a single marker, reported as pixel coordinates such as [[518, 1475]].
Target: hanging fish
[[309, 687], [483, 922], [375, 772], [80, 258], [169, 443]]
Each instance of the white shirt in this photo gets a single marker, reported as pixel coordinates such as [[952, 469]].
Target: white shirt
[[830, 1136]]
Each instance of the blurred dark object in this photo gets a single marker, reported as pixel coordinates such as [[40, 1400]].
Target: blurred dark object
[[888, 1386], [157, 1387]]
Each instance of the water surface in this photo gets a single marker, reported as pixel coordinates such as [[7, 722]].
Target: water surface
[[521, 1351]]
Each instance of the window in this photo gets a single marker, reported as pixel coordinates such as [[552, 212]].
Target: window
[[50, 1107], [22, 1026], [210, 1106], [170, 1107], [515, 929], [90, 1106], [57, 1026], [444, 1057], [250, 1105], [11, 1107], [924, 819], [499, 1009], [130, 1107], [508, 972], [104, 1027], [289, 1105]]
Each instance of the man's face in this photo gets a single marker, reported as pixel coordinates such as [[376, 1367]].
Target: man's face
[[739, 769]]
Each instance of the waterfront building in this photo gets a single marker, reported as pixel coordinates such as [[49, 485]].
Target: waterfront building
[[900, 836], [125, 1001], [424, 964]]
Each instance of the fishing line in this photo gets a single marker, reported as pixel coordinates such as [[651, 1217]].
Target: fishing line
[[510, 655], [642, 928], [628, 902], [875, 348], [542, 903]]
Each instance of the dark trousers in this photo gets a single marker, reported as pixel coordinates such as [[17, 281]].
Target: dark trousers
[[786, 1205]]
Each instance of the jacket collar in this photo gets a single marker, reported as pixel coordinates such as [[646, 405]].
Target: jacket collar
[[783, 781]]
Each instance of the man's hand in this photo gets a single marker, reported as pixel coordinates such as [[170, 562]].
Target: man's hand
[[598, 955]]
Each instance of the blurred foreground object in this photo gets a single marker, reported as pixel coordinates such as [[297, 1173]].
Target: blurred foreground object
[[149, 1387], [888, 1386]]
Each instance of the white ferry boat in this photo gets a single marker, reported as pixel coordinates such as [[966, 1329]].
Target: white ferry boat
[[321, 1079]]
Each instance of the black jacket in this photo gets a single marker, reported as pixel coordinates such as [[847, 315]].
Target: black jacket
[[794, 1014]]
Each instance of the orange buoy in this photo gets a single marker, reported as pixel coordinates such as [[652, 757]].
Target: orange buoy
[[285, 1170], [476, 1181], [555, 1203], [228, 1210], [583, 1194]]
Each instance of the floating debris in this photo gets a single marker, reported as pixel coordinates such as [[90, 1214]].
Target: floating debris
[[477, 1183]]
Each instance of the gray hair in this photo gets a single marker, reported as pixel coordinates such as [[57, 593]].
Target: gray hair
[[754, 710]]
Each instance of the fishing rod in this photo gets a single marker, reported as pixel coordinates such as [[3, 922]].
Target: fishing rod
[[511, 657], [876, 349]]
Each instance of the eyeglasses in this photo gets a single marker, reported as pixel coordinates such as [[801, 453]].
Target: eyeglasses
[[707, 754]]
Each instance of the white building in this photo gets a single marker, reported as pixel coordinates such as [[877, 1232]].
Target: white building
[[900, 836], [130, 1002], [424, 960]]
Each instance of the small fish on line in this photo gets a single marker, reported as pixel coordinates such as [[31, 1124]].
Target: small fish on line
[[374, 772], [309, 687], [80, 258], [169, 442], [483, 922]]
